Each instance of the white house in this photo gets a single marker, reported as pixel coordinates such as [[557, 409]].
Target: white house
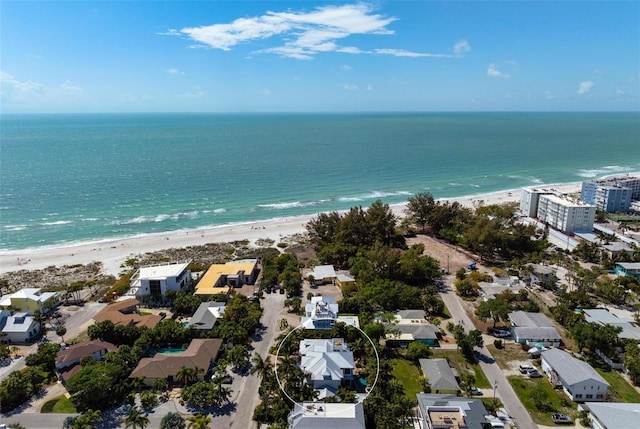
[[315, 415], [156, 280], [323, 274], [322, 313], [533, 328], [578, 379], [327, 363], [612, 415], [19, 328]]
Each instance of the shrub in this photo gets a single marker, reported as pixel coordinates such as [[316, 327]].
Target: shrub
[[497, 343]]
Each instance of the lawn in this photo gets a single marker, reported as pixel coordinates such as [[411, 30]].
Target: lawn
[[557, 401], [409, 375], [59, 404], [511, 351], [620, 390], [457, 361]]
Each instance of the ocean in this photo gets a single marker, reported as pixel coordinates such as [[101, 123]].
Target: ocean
[[71, 178]]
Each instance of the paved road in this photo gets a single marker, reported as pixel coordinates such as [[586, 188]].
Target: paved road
[[504, 391], [245, 388]]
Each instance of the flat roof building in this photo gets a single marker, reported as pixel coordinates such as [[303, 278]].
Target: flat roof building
[[221, 278]]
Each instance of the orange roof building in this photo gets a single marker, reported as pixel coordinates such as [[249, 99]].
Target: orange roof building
[[126, 313]]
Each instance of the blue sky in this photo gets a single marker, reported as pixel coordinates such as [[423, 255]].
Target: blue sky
[[280, 56]]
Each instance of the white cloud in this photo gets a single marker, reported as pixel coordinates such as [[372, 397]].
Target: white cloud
[[346, 67], [494, 72], [403, 53], [174, 71], [369, 87], [620, 92], [549, 96], [585, 87], [302, 34], [461, 47], [266, 92], [350, 87]]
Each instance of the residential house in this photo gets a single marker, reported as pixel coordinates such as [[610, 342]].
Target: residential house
[[612, 415], [155, 280], [602, 316], [201, 353], [533, 328], [19, 328], [206, 316], [577, 378], [409, 326], [221, 278], [543, 275], [28, 300], [628, 269], [500, 284], [344, 280], [126, 313], [317, 415], [324, 274], [322, 313], [436, 411], [327, 363], [68, 360], [441, 377]]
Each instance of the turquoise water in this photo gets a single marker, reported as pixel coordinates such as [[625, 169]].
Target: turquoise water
[[70, 178], [170, 351]]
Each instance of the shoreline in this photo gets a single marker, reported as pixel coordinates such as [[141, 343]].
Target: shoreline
[[113, 252]]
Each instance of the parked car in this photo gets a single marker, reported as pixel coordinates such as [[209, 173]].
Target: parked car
[[534, 373], [501, 333], [561, 419], [475, 391], [524, 369]]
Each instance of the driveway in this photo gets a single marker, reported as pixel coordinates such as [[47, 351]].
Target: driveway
[[504, 391]]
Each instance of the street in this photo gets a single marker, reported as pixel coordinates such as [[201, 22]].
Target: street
[[494, 374]]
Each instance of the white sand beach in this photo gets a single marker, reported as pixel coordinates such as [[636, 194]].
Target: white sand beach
[[112, 253]]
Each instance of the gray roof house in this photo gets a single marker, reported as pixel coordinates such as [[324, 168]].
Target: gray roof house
[[533, 328], [450, 411], [612, 415], [320, 415], [441, 376], [578, 379], [205, 317], [630, 329], [322, 313], [327, 364], [19, 328], [409, 326]]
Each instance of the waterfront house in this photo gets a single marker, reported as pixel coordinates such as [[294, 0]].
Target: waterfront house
[[628, 269], [221, 278], [68, 360], [155, 280], [577, 378], [322, 313], [28, 300]]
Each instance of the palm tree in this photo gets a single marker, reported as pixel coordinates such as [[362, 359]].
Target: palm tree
[[61, 331], [199, 421], [135, 419], [186, 375]]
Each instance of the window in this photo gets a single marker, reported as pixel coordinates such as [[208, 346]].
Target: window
[[578, 396], [599, 396], [589, 396], [154, 286]]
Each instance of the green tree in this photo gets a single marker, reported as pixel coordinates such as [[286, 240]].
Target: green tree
[[495, 309], [419, 208], [61, 331], [199, 421], [417, 350], [135, 419], [185, 375], [172, 421]]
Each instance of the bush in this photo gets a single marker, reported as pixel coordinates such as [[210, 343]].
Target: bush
[[119, 287], [497, 343]]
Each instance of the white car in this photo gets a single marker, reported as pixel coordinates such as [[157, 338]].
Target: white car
[[501, 333]]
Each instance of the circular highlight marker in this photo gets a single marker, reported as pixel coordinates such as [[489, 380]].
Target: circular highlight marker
[[370, 388]]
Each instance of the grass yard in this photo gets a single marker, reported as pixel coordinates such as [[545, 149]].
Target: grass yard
[[556, 400], [409, 375], [59, 404], [511, 351], [620, 390], [457, 361]]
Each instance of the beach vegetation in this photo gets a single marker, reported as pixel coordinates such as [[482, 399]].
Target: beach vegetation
[[119, 288], [419, 208]]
